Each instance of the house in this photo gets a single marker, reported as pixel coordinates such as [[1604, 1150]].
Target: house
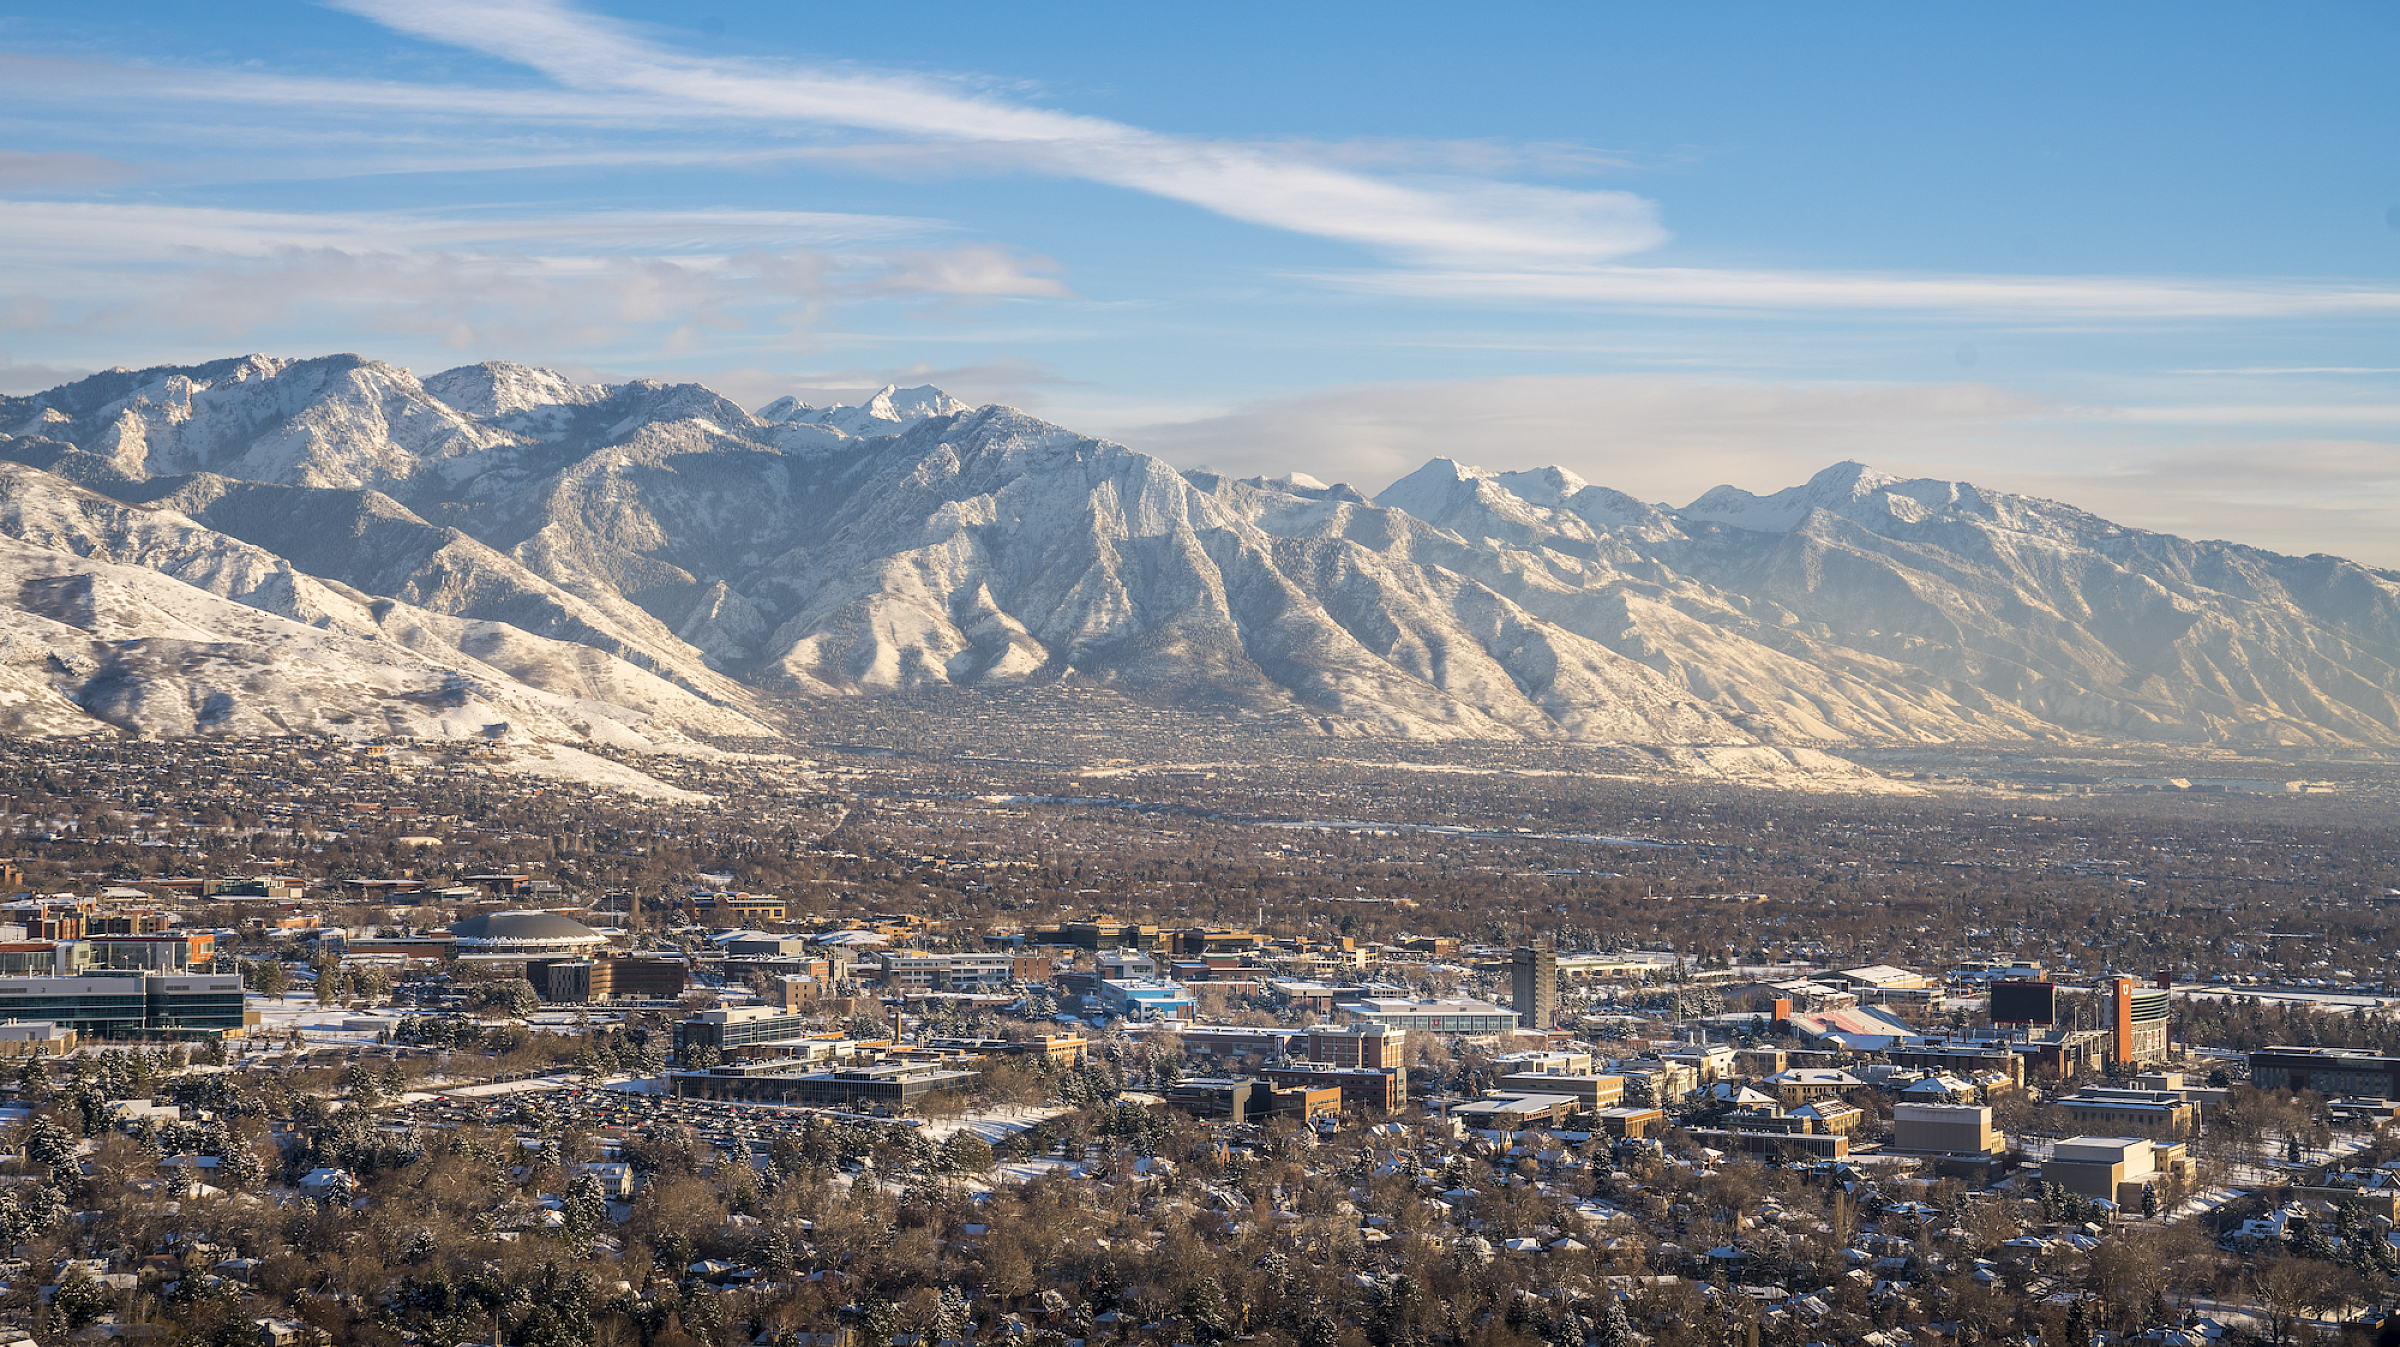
[[2263, 1231], [616, 1179], [2375, 1192]]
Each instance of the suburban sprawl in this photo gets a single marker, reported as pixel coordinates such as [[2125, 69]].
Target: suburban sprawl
[[1108, 1037]]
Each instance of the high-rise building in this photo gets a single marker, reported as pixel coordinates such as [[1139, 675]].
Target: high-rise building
[[1533, 983], [2138, 1015]]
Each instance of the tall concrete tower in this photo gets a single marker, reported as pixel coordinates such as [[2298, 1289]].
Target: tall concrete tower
[[1533, 986]]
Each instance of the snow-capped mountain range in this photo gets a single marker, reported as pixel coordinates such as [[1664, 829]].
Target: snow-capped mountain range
[[336, 546]]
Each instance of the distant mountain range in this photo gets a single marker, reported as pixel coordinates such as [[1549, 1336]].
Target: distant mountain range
[[335, 546]]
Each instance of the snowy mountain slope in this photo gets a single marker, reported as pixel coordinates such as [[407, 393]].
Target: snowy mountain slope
[[887, 412], [1937, 610], [653, 545], [372, 543], [242, 641], [994, 546], [88, 644]]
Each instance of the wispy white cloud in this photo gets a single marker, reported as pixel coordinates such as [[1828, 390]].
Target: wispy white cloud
[[136, 233], [2272, 414], [1434, 207], [1464, 238], [2276, 370], [30, 171], [490, 282], [2030, 297], [1465, 220]]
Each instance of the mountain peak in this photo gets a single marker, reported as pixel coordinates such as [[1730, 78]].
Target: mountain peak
[[1841, 489], [502, 387], [1551, 486], [890, 409], [1849, 477]]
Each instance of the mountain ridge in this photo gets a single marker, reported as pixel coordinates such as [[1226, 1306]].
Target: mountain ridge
[[912, 541]]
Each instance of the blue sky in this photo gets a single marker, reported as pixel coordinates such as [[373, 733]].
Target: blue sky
[[2146, 259]]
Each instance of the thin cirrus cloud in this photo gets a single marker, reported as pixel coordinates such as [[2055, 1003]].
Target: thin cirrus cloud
[[690, 278], [1456, 234], [27, 170], [2025, 297], [1460, 238], [1457, 220], [144, 232]]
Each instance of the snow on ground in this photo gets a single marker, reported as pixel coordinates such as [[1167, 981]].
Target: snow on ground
[[635, 1084], [561, 1080], [316, 1023], [994, 1125], [1025, 1171], [558, 762]]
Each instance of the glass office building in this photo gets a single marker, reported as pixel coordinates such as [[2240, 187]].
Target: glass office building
[[128, 1005], [1439, 1017], [743, 1027]]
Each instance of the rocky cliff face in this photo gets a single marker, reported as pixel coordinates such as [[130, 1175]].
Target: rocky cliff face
[[655, 549]]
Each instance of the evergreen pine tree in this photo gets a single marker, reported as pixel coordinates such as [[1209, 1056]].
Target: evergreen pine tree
[[1615, 1329]]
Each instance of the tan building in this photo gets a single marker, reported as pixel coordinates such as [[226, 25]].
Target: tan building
[[1562, 1062], [1364, 1091], [1629, 1121], [2110, 1109], [35, 1038], [607, 977], [1945, 1129], [1309, 1103], [1514, 1111], [734, 909], [1588, 1091], [1710, 1062], [1761, 1061], [1807, 1084], [795, 991], [1832, 1116], [1667, 1081], [2115, 1168], [1371, 1046]]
